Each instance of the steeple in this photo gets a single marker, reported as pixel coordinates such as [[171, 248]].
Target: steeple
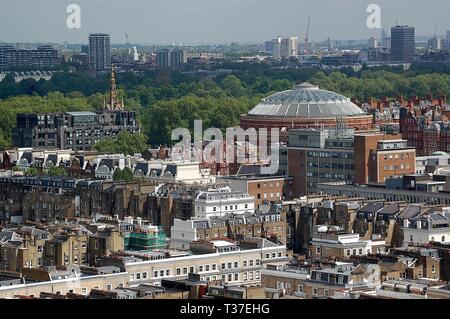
[[113, 104]]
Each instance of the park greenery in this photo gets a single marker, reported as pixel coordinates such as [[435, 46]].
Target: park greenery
[[165, 99]]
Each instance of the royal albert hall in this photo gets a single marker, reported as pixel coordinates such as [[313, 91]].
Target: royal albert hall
[[306, 106]]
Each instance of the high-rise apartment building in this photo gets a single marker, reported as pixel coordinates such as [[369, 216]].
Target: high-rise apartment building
[[373, 43], [436, 43], [42, 56], [289, 47], [162, 59], [403, 44], [99, 52], [177, 57], [283, 48], [172, 58], [276, 48]]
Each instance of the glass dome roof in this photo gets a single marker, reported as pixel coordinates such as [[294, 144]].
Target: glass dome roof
[[306, 100]]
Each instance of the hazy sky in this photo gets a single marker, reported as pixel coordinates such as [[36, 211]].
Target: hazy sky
[[212, 21]]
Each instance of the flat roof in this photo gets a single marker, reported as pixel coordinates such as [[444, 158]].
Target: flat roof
[[81, 113], [221, 243]]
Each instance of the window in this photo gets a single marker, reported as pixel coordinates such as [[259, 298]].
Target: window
[[325, 292], [84, 291], [300, 288], [251, 263], [315, 291], [109, 287], [192, 270], [178, 271], [155, 274], [229, 265], [200, 268], [214, 267], [168, 272], [223, 265], [161, 273], [207, 268], [185, 270], [318, 250], [236, 264], [360, 251], [230, 277], [257, 275], [433, 269], [236, 277], [144, 275]]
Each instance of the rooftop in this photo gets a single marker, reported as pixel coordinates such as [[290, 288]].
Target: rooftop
[[306, 100], [81, 113]]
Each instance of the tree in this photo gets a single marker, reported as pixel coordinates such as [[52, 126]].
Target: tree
[[124, 142], [32, 171], [56, 171], [127, 174], [117, 175], [233, 86], [123, 175]]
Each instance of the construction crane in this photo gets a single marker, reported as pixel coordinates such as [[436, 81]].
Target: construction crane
[[307, 36]]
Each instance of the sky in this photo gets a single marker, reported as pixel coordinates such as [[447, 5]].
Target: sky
[[213, 21]]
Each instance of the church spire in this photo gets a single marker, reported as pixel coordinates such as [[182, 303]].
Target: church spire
[[113, 104]]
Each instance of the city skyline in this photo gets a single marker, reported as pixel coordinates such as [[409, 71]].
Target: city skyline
[[207, 23]]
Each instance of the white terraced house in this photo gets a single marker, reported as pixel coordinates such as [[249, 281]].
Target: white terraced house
[[222, 201]]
